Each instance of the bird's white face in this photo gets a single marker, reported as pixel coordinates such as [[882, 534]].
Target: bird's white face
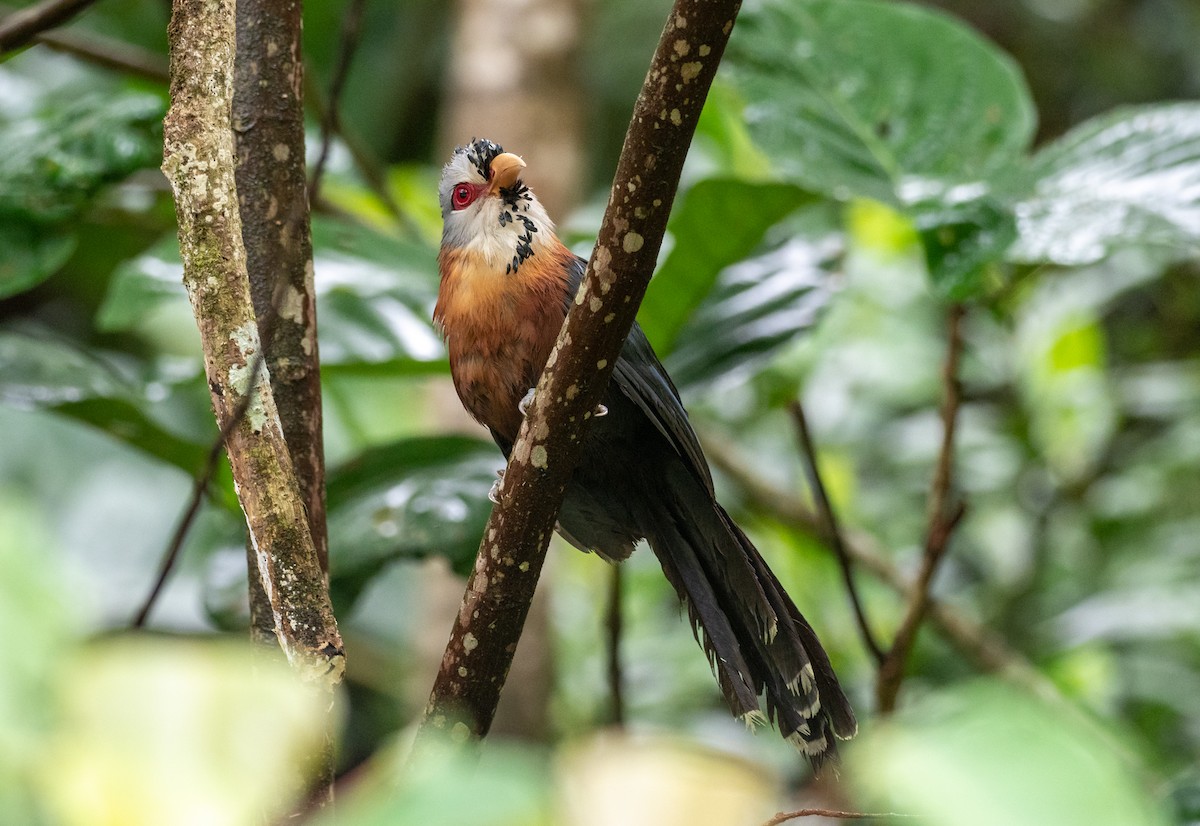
[[488, 210]]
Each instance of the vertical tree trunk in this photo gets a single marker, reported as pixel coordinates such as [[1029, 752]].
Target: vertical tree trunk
[[199, 160]]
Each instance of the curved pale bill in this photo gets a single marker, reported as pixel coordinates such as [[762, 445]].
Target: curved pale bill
[[506, 169]]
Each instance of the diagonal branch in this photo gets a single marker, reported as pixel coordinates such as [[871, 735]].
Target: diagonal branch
[[489, 623], [21, 27], [198, 160], [943, 518]]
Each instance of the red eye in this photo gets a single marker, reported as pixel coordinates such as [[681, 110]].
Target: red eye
[[463, 194]]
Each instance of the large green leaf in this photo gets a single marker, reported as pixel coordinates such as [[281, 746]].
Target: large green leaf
[[40, 371], [50, 166], [375, 297], [986, 755], [411, 499], [31, 254], [718, 223], [1131, 177], [759, 304], [880, 100]]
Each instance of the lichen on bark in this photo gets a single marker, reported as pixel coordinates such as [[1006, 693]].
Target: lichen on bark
[[198, 160]]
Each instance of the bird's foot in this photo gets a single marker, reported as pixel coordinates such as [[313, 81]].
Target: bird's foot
[[494, 493], [600, 410], [526, 400]]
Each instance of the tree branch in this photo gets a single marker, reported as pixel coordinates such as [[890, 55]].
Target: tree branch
[[485, 634], [613, 625], [832, 531], [198, 160], [20, 28], [784, 817], [942, 517]]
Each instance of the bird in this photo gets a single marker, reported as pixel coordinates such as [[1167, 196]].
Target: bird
[[506, 284]]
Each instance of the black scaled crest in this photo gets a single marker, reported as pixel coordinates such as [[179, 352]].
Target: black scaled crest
[[481, 152]]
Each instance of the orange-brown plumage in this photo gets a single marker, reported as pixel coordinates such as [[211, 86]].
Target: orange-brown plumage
[[500, 328]]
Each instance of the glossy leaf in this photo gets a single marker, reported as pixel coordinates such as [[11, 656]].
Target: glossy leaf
[[759, 304], [38, 371], [962, 242], [408, 500], [881, 100], [985, 755], [1131, 177], [718, 222], [49, 167], [31, 255], [375, 297]]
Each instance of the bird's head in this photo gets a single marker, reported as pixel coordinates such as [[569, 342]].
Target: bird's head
[[487, 209]]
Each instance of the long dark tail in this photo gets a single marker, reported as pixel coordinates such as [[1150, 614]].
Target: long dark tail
[[758, 642]]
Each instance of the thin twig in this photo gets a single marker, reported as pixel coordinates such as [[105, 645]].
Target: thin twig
[[942, 518], [832, 530], [199, 487], [347, 46], [20, 28], [783, 817], [614, 627]]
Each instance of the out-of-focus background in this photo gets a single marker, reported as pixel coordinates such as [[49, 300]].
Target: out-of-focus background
[[1078, 449]]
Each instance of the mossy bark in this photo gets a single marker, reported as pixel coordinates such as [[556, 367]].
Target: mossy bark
[[198, 160]]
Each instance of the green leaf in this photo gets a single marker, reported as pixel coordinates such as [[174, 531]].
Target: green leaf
[[962, 242], [880, 100], [375, 297], [988, 756], [31, 255], [759, 304], [411, 499], [718, 223], [50, 166], [151, 729], [39, 371], [144, 286], [1128, 178]]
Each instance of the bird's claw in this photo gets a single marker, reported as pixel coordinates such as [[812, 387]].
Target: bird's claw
[[494, 492], [526, 400], [600, 410]]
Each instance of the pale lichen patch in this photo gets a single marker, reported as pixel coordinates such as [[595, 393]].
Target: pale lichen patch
[[469, 642], [538, 457], [689, 71], [632, 242]]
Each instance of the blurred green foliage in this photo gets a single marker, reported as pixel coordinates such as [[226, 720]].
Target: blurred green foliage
[[859, 166]]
